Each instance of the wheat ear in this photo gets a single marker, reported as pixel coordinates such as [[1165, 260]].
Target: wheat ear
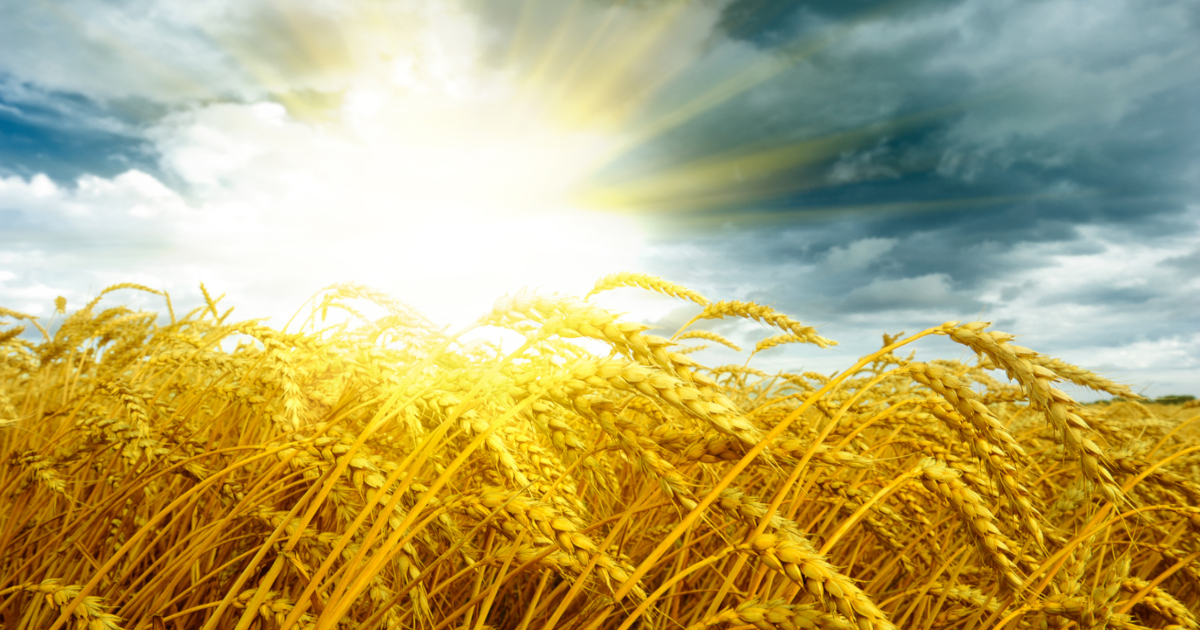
[[650, 283]]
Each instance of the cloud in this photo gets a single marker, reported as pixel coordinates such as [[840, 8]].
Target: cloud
[[858, 255], [927, 293], [59, 240], [95, 208], [1188, 263], [307, 52], [212, 50], [1107, 294], [64, 136], [1061, 102], [857, 166]]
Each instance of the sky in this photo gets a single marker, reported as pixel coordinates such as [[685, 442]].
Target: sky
[[865, 167]]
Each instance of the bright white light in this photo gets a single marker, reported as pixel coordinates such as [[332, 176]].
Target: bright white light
[[455, 269], [443, 200]]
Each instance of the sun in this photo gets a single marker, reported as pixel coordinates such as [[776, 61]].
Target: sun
[[469, 197], [411, 158]]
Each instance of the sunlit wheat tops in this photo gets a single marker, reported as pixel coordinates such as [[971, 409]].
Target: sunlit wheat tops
[[650, 283], [373, 471], [710, 336], [764, 314]]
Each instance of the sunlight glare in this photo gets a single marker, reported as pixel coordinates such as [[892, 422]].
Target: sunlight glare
[[449, 202]]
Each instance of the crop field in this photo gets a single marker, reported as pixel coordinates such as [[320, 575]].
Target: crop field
[[164, 470]]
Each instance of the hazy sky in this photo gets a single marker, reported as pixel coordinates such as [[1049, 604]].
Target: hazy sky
[[866, 167]]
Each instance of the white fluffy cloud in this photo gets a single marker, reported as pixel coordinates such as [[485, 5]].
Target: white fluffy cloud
[[1122, 309], [64, 240], [94, 208]]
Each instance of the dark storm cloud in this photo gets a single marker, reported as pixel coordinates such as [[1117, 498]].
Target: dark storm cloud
[[976, 133], [1094, 124], [65, 136]]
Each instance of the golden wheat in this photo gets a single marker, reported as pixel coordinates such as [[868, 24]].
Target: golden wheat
[[198, 472]]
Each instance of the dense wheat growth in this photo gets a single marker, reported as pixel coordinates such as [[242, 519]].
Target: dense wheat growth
[[190, 471]]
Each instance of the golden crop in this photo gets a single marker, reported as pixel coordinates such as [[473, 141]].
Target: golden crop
[[196, 472]]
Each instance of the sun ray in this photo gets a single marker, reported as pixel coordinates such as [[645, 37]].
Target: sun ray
[[762, 70], [522, 38], [750, 173], [582, 60], [606, 95], [552, 54]]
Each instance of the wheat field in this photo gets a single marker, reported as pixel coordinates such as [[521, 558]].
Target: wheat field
[[190, 471]]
